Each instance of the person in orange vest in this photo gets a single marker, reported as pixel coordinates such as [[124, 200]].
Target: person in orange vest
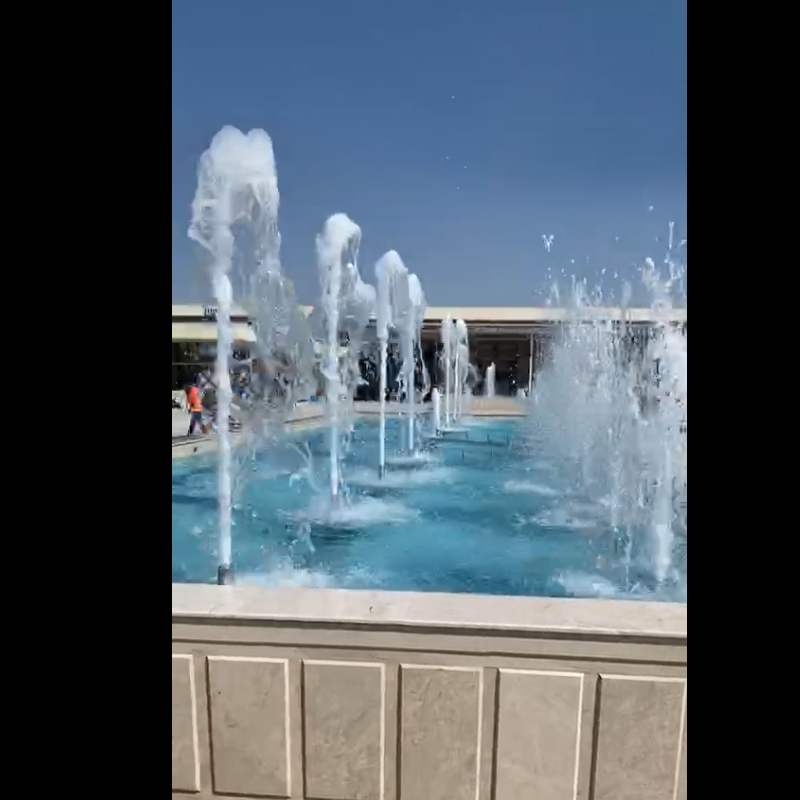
[[195, 409]]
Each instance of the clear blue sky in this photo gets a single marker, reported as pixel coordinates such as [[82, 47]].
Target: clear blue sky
[[456, 132]]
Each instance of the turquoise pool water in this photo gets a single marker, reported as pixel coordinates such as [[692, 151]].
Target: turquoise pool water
[[488, 514]]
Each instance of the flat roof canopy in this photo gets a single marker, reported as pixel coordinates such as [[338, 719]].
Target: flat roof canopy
[[533, 314], [207, 332], [530, 316], [495, 318], [196, 311]]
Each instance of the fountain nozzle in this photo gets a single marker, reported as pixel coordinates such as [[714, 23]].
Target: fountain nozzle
[[225, 575]]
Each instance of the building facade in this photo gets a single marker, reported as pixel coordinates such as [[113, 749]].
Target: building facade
[[194, 341], [515, 339]]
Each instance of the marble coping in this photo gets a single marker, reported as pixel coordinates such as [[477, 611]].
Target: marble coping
[[427, 610]]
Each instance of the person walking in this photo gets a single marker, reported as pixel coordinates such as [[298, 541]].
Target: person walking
[[195, 409]]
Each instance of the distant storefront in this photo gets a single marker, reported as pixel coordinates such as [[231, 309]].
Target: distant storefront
[[194, 341], [516, 340]]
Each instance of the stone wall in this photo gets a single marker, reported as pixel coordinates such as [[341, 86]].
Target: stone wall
[[368, 696]]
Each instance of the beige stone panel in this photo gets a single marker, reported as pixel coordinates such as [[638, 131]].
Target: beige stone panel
[[248, 702], [185, 755], [344, 724], [439, 737], [683, 770], [538, 733], [639, 737]]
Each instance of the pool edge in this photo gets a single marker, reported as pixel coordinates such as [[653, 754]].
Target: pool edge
[[434, 610]]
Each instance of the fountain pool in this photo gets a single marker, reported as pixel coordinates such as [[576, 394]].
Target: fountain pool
[[491, 513]]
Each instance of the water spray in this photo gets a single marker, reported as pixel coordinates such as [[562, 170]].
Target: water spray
[[387, 270], [339, 238], [236, 182]]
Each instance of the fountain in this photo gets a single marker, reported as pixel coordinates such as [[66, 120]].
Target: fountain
[[392, 280], [490, 373], [612, 404], [451, 363], [236, 185], [436, 401], [383, 320], [458, 328], [447, 365], [401, 300], [462, 365], [531, 346], [593, 483], [454, 363], [410, 321], [347, 304]]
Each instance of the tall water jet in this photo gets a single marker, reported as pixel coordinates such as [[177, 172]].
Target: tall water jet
[[339, 239], [490, 378], [281, 354], [235, 179], [447, 341], [436, 399], [411, 324], [530, 366], [358, 308], [456, 371], [461, 364], [383, 311], [466, 371], [387, 270]]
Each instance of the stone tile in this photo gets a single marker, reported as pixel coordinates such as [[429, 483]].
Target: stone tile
[[248, 701], [639, 734], [185, 756], [683, 772], [538, 731], [440, 727], [343, 730]]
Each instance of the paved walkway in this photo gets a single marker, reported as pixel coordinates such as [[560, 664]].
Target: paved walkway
[[477, 406], [301, 413], [497, 407]]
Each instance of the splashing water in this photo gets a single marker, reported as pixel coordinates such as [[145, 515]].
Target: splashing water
[[462, 365], [237, 201], [446, 364], [383, 319], [453, 364], [390, 273], [235, 177], [347, 304], [490, 380], [436, 401], [410, 304], [612, 403]]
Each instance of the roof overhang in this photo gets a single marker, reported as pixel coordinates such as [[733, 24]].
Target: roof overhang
[[207, 332], [531, 316]]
